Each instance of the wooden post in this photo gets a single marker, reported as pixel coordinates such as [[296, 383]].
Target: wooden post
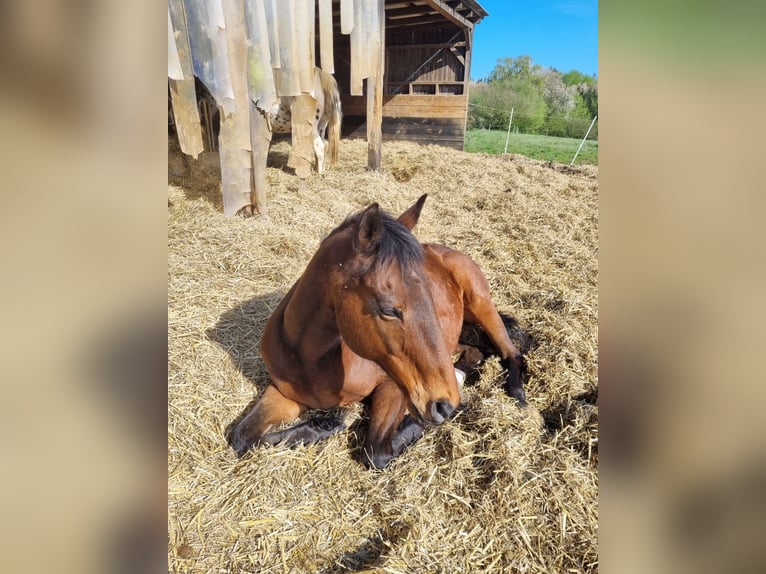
[[375, 95], [467, 78]]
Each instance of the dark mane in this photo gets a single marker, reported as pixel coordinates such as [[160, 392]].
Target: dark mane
[[397, 243]]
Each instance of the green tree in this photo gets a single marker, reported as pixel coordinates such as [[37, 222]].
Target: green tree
[[575, 78], [544, 100]]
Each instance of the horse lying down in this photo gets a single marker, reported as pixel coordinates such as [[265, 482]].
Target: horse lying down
[[376, 314]]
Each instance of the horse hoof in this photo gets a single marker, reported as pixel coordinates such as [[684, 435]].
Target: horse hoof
[[518, 394], [376, 460], [240, 444]]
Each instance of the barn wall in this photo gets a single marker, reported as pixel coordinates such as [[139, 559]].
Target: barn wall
[[423, 119], [425, 87]]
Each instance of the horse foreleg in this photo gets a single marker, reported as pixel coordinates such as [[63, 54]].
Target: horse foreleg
[[391, 430], [481, 310], [271, 409], [319, 153], [478, 308]]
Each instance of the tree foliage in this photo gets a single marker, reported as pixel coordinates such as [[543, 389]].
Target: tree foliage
[[544, 100]]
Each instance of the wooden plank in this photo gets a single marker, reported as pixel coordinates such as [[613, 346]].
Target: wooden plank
[[272, 17], [259, 71], [412, 106], [182, 92], [358, 43], [301, 157], [346, 16], [326, 54], [409, 129], [234, 138], [260, 137], [174, 62], [427, 125], [406, 100], [304, 22], [288, 79]]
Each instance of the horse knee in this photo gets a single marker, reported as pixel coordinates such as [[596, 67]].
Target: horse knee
[[271, 409]]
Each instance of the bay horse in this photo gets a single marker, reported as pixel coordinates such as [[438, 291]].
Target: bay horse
[[375, 314]]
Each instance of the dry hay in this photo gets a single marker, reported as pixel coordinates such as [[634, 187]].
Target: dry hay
[[498, 489]]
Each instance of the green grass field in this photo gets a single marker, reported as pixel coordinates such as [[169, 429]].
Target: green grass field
[[560, 150]]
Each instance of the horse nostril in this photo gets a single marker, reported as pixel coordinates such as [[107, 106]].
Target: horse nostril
[[441, 410]]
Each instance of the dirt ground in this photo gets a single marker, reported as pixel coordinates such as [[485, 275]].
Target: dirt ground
[[498, 488]]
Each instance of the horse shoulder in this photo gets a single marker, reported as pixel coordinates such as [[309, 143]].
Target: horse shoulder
[[280, 358], [447, 289]]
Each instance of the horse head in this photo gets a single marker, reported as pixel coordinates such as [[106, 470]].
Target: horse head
[[385, 311]]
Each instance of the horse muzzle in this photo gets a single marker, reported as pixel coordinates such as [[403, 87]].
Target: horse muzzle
[[439, 411]]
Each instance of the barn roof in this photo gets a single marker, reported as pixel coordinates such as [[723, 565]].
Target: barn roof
[[464, 13], [413, 13]]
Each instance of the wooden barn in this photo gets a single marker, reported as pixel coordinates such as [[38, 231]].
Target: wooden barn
[[402, 68], [426, 72]]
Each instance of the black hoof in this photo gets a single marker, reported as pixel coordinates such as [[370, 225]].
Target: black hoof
[[518, 394], [513, 386], [241, 444], [374, 459]]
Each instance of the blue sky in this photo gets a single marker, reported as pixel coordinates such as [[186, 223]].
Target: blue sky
[[557, 34]]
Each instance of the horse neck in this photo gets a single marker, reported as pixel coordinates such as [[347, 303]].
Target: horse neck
[[309, 323]]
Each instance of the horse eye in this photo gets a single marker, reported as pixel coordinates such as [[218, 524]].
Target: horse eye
[[391, 313]]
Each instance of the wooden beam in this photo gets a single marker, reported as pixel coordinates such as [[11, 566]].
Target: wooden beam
[[409, 11], [443, 9], [411, 46], [420, 21], [458, 56]]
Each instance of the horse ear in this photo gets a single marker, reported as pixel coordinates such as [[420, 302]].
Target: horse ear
[[368, 230], [410, 217]]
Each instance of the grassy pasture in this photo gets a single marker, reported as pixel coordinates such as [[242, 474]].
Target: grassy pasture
[[560, 150], [496, 489]]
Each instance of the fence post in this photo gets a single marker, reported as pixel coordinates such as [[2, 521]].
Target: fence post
[[508, 135], [583, 141]]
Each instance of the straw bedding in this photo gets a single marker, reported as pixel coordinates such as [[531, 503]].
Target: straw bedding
[[496, 489]]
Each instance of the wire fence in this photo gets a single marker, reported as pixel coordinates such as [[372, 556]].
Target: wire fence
[[581, 130], [557, 125]]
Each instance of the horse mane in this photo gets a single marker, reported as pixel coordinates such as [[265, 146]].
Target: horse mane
[[397, 243]]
